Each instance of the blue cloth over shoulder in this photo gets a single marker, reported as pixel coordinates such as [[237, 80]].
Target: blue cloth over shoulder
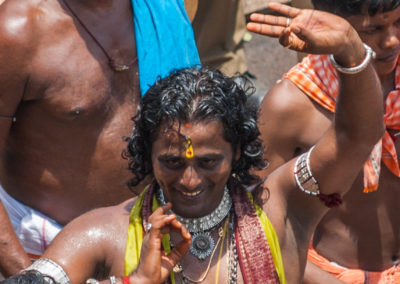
[[164, 39]]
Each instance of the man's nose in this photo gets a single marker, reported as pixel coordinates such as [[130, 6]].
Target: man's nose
[[190, 178], [391, 39]]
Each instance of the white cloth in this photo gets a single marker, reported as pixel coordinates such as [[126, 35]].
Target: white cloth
[[34, 230]]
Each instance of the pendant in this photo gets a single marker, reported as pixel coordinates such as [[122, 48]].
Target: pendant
[[202, 245], [120, 68]]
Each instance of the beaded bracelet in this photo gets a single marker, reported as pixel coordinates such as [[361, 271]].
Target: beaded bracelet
[[356, 69], [303, 175], [309, 185]]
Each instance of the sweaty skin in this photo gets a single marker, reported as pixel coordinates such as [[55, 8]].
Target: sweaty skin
[[363, 232], [93, 245], [62, 155]]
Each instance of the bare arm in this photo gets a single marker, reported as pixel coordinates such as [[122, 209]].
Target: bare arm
[[12, 255], [13, 36], [96, 241], [341, 152], [289, 123]]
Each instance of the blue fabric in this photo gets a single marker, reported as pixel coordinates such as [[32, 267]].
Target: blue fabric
[[164, 39]]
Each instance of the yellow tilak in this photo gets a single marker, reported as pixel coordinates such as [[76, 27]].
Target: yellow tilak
[[189, 148]]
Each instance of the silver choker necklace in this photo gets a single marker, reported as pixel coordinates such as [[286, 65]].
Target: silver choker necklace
[[195, 225]]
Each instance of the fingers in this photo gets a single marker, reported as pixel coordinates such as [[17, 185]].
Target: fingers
[[269, 19], [284, 9], [159, 221], [173, 258], [268, 30]]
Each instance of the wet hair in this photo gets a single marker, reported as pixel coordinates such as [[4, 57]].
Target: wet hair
[[29, 277], [198, 95], [356, 7]]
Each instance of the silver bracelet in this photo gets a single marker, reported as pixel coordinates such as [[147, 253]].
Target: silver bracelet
[[112, 280], [49, 268], [356, 69], [303, 175], [92, 281]]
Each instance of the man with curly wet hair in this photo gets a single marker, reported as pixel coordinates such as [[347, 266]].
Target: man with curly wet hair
[[196, 96]]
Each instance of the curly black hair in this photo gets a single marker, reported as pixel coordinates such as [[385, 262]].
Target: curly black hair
[[355, 7], [29, 277], [192, 95]]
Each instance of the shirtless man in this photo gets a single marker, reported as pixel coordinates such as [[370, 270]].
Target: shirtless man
[[362, 235], [64, 110], [200, 146]]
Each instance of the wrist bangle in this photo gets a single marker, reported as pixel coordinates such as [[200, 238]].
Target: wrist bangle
[[356, 69]]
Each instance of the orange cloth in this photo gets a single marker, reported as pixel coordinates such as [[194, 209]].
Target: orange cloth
[[317, 78], [355, 276]]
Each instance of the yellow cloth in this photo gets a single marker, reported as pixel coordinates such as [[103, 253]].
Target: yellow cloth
[[135, 238]]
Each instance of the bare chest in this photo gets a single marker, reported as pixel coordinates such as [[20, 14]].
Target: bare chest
[[71, 76]]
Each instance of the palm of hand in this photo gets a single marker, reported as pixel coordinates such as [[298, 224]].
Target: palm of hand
[[314, 31], [308, 31]]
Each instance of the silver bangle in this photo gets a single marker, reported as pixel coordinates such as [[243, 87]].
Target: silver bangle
[[49, 268], [112, 280], [356, 69], [303, 175], [92, 281]]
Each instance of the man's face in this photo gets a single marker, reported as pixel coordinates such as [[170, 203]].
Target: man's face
[[194, 185], [382, 33]]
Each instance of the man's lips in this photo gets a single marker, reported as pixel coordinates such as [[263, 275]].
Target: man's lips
[[388, 56], [191, 194]]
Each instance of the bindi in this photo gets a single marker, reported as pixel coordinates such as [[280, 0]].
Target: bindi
[[189, 147]]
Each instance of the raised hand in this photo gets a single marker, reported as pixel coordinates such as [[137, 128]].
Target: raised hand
[[310, 31], [154, 266]]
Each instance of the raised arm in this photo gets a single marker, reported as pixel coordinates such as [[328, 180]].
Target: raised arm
[[341, 152]]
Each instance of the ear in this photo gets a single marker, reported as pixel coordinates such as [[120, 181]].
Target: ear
[[191, 8]]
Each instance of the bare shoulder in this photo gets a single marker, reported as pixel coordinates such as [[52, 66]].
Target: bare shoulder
[[93, 242], [284, 114], [17, 20], [101, 220], [284, 101]]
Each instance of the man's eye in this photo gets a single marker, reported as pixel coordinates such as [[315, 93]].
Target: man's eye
[[173, 163], [369, 32], [207, 163]]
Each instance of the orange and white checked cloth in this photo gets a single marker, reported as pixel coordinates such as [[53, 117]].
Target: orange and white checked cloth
[[354, 276], [317, 78]]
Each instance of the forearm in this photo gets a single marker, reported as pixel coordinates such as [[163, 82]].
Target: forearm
[[357, 126], [12, 255], [359, 109]]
